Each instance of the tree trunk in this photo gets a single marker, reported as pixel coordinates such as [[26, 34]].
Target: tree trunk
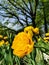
[[34, 14], [45, 22]]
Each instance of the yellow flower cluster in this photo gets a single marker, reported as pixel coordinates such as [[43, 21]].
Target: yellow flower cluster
[[1, 36], [23, 44], [46, 38], [2, 40]]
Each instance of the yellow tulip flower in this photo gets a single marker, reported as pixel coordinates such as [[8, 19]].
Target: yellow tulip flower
[[47, 34], [22, 44], [5, 37], [6, 42], [1, 43], [1, 36]]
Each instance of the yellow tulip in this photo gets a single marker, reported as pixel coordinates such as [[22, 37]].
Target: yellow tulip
[[6, 42], [1, 43], [46, 38], [46, 41], [1, 36], [22, 44], [5, 37], [47, 34]]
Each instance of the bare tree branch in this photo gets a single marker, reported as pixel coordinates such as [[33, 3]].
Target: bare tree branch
[[19, 9], [25, 4], [13, 14], [31, 11], [20, 6]]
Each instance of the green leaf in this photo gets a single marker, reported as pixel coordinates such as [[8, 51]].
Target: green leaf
[[8, 58], [43, 46], [44, 0], [33, 54], [39, 57], [17, 60]]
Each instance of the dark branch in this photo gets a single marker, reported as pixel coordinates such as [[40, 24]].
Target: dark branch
[[31, 11], [22, 7], [34, 14], [45, 21], [25, 4], [12, 14], [19, 9]]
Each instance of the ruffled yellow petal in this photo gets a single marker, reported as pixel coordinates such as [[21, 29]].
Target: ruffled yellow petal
[[28, 28], [29, 31], [36, 30], [30, 34]]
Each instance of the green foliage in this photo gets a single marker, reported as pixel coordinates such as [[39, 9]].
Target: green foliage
[[39, 57], [34, 58], [28, 11]]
